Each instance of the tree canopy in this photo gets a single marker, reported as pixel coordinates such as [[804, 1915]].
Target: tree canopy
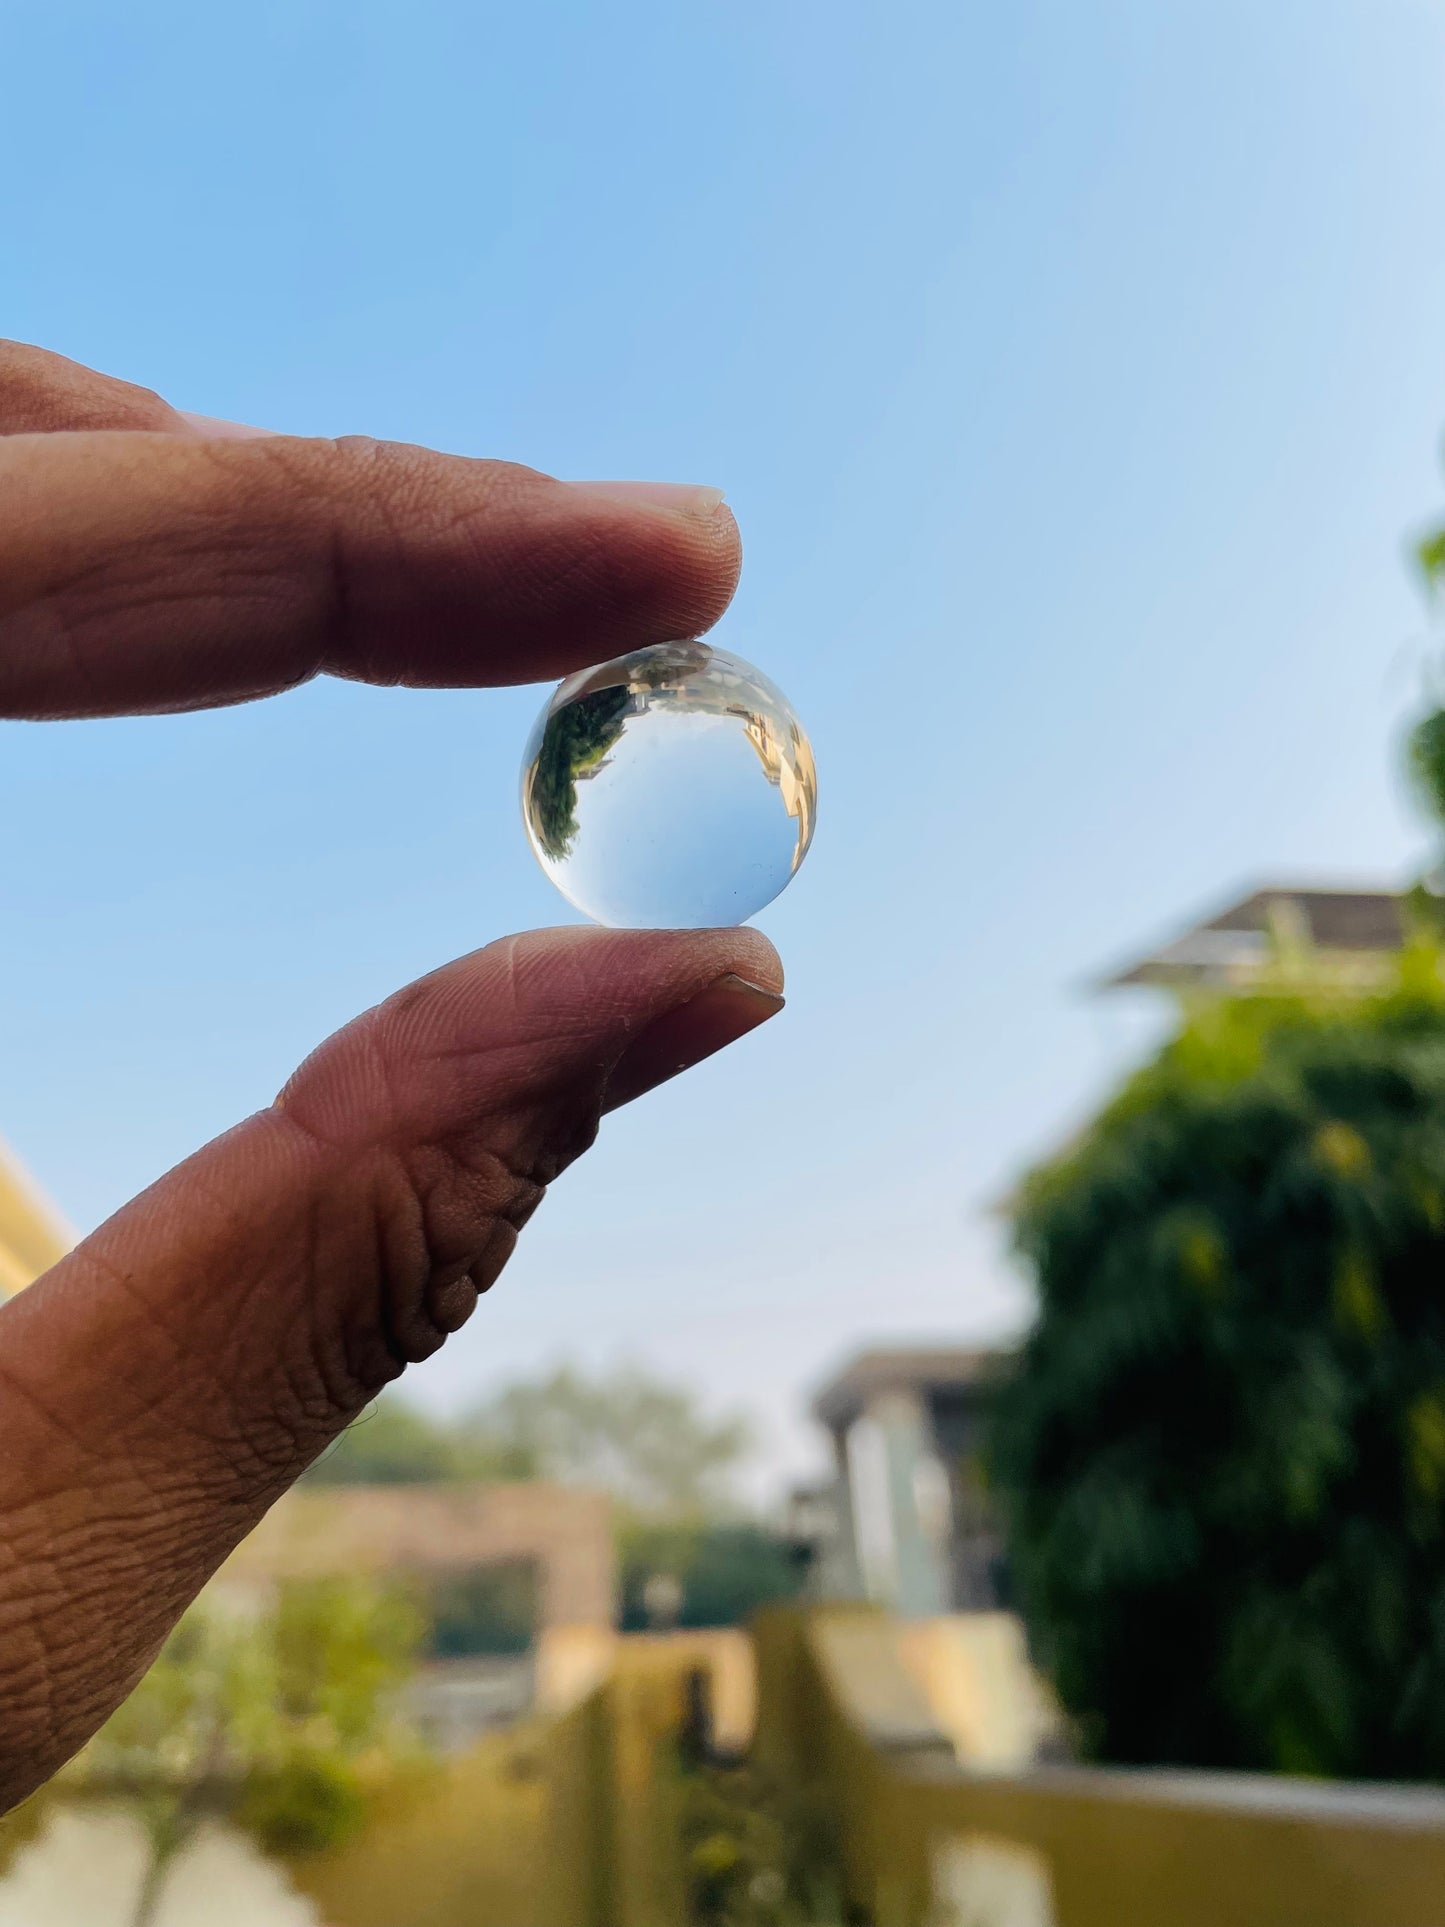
[[647, 1442], [576, 739], [1222, 1457], [396, 1443], [725, 1570]]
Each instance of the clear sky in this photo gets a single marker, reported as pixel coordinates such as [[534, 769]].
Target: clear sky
[[1076, 371]]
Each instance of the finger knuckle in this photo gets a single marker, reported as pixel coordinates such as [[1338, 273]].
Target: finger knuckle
[[41, 392]]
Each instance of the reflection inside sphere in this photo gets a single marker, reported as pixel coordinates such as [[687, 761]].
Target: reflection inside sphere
[[672, 787]]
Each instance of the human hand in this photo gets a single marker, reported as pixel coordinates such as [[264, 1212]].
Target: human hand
[[161, 1386]]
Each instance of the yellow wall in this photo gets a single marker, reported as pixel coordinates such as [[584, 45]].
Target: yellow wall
[[33, 1235], [566, 1821], [974, 1671], [572, 1819], [841, 1710]]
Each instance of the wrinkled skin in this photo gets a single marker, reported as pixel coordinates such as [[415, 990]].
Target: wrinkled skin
[[160, 1387]]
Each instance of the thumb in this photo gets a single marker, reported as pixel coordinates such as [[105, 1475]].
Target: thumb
[[171, 1377], [458, 1101]]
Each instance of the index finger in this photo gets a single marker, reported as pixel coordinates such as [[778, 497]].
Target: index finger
[[143, 572]]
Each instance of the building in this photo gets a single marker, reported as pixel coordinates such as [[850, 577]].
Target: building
[[533, 1562], [1348, 937], [909, 1525]]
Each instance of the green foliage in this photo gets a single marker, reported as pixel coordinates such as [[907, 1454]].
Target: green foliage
[[727, 1571], [491, 1611], [390, 1444], [1430, 554], [340, 1648], [277, 1721], [1426, 755], [634, 1436], [758, 1852], [1425, 750], [645, 1441], [302, 1802], [575, 741], [1222, 1459]]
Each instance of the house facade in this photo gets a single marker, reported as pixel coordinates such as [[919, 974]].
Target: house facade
[[905, 1521]]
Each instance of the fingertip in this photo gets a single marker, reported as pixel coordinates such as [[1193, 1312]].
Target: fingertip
[[578, 1015], [660, 1001], [721, 1013], [758, 960], [638, 967], [680, 498], [677, 551]]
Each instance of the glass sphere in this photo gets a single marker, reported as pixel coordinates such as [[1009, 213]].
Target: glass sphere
[[670, 788]]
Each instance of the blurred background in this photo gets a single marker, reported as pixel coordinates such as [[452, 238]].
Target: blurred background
[[998, 1476]]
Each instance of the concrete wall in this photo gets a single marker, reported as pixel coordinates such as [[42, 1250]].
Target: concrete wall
[[924, 1839]]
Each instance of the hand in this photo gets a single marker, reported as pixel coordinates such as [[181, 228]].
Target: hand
[[161, 1386]]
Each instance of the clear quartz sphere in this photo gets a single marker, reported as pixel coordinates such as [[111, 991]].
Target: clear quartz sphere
[[670, 788]]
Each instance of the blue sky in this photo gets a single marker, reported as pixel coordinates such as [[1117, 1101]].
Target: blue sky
[[1076, 371]]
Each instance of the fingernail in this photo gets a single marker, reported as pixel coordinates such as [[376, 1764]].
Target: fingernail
[[718, 1016], [217, 430], [682, 498]]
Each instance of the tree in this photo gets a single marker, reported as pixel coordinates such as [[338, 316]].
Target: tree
[[725, 1570], [1426, 749], [635, 1436], [1221, 1458], [391, 1443], [643, 1440], [279, 1723], [1430, 556], [394, 1443], [575, 741], [1221, 1454]]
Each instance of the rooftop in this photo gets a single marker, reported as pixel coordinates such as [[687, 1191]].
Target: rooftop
[[1354, 926], [906, 1369]]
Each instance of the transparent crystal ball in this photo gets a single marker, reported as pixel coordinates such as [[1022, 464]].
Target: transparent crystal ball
[[670, 788]]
